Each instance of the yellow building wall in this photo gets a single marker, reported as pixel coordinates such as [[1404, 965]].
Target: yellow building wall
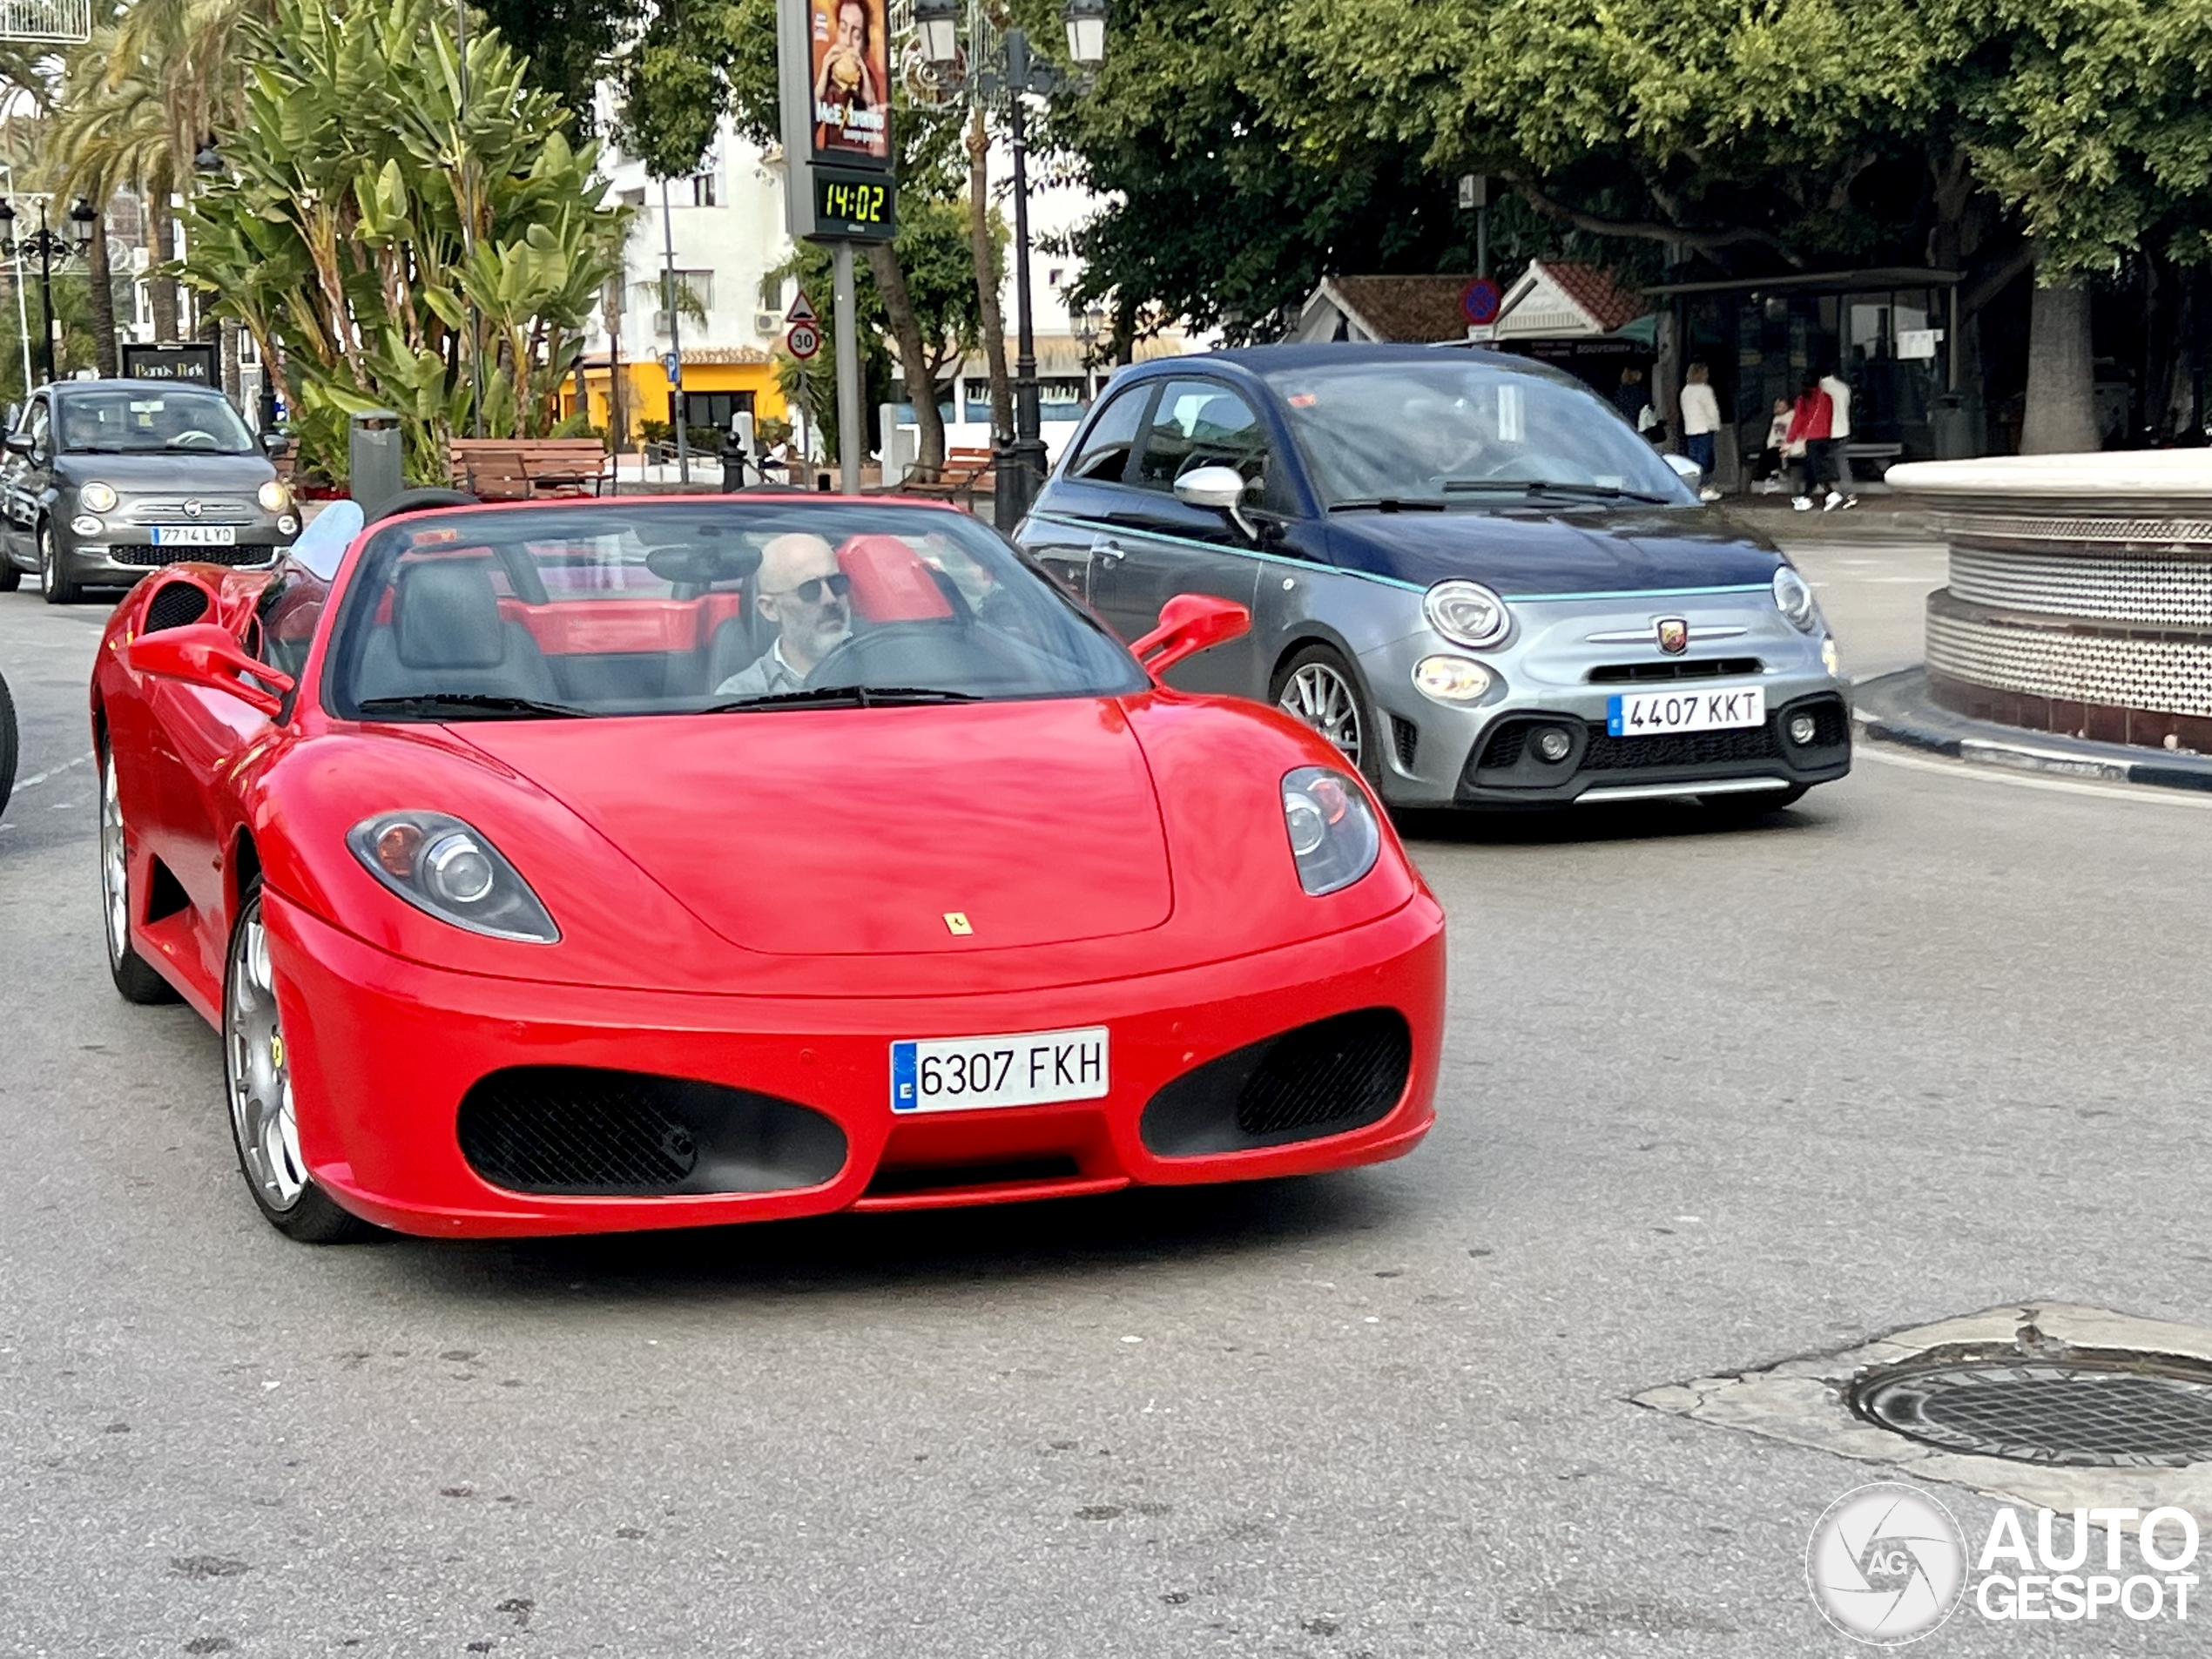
[[645, 391]]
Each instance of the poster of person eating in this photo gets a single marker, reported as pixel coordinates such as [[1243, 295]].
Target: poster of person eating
[[850, 64]]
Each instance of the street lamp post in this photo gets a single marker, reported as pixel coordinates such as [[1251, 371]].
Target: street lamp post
[[1019, 74], [49, 246]]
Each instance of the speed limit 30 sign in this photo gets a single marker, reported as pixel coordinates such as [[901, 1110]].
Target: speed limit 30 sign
[[804, 341]]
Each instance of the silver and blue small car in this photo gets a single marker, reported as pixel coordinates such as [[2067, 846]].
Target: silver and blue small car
[[1464, 568]]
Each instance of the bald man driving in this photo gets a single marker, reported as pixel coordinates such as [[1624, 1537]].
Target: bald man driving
[[803, 592]]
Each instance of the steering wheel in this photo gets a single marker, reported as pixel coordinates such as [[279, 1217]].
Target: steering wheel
[[195, 439], [933, 653]]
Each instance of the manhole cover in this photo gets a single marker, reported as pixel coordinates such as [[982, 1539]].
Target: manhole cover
[[2105, 1412]]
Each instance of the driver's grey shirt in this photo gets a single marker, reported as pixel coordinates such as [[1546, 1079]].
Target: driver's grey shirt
[[768, 676]]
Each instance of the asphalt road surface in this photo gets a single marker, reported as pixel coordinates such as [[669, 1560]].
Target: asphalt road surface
[[1930, 1042]]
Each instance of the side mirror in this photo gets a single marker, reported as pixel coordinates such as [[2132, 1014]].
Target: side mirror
[[1686, 470], [205, 655], [275, 444], [1222, 489], [20, 444], [1191, 623]]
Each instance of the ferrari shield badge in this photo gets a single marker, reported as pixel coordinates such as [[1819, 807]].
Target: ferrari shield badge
[[957, 923], [1674, 636]]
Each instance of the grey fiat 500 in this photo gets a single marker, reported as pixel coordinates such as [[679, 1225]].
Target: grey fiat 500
[[1464, 568], [106, 479]]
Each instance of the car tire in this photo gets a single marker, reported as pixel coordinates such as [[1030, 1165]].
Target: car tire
[[257, 1088], [135, 979], [62, 588], [11, 573], [1316, 687], [6, 745], [1749, 807]]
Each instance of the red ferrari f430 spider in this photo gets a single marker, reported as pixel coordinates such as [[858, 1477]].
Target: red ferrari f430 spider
[[571, 866]]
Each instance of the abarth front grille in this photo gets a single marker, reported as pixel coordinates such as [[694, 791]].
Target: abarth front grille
[[1710, 668]]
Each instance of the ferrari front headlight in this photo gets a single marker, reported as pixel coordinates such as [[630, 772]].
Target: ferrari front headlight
[[1334, 837], [97, 497], [273, 497], [1467, 613], [446, 869]]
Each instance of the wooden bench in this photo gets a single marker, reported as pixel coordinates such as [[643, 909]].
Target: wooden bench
[[522, 469], [966, 473]]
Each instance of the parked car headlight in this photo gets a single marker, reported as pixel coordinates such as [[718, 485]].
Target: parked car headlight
[[97, 497], [1468, 613], [1793, 598], [273, 497], [1334, 833], [445, 869]]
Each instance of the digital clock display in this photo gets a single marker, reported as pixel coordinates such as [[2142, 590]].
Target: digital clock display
[[854, 204]]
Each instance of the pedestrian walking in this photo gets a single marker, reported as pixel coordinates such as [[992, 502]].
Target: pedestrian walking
[[1810, 423], [1701, 424], [1838, 390]]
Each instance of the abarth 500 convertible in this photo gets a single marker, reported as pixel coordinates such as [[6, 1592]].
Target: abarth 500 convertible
[[1464, 569]]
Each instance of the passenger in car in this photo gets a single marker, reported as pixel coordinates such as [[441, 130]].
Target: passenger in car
[[804, 593]]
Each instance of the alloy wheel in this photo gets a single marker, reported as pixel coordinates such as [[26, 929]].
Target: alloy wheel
[[115, 865], [260, 1078], [1318, 695]]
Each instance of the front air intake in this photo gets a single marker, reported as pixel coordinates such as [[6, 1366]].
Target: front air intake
[[582, 1132], [1338, 1073]]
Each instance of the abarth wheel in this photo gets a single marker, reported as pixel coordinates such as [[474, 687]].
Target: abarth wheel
[[257, 1075], [133, 975], [1318, 689], [62, 588]]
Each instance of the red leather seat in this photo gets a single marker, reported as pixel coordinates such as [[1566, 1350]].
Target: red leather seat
[[890, 582]]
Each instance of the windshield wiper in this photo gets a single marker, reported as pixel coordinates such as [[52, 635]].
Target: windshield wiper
[[487, 704], [1552, 487], [1387, 504], [842, 697]]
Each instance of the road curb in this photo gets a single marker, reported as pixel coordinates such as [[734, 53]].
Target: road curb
[[1896, 709]]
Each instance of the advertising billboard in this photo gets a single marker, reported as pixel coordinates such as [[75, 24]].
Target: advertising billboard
[[848, 79]]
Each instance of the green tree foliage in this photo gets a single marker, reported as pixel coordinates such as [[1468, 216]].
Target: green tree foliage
[[566, 44], [338, 239]]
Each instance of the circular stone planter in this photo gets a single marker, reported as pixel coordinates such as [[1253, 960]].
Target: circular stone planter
[[2080, 596]]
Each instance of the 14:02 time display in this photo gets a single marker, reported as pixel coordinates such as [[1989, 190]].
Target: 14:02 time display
[[855, 206]]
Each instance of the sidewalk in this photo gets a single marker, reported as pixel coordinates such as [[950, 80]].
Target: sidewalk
[[1879, 515], [1896, 709]]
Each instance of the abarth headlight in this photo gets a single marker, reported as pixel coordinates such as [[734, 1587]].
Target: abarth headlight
[[1468, 613], [446, 869], [1334, 833], [1453, 680], [1793, 598], [273, 497], [97, 497]]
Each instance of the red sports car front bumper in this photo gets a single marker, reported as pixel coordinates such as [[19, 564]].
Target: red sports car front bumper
[[382, 1051]]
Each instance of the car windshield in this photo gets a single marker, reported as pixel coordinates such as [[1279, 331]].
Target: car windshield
[[1457, 431], [131, 421], [749, 608]]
